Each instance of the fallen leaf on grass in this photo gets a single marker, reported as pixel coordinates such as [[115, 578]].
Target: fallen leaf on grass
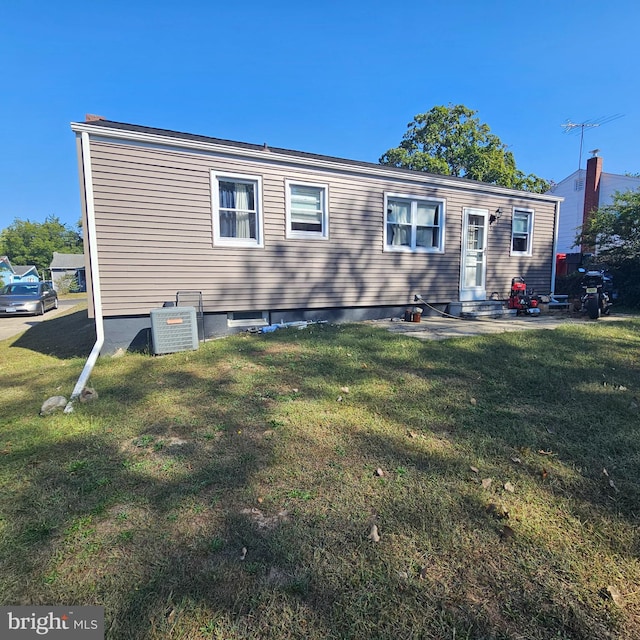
[[605, 472], [475, 469], [339, 399], [516, 460], [473, 402], [509, 487], [243, 555], [379, 472], [486, 483], [412, 434], [544, 473], [423, 573], [542, 452], [374, 536], [613, 486], [615, 595], [344, 389]]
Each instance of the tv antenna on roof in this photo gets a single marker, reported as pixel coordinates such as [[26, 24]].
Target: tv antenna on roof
[[572, 127]]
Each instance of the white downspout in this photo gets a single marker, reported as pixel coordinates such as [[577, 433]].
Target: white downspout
[[95, 274], [555, 249]]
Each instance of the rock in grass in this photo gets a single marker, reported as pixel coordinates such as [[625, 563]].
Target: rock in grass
[[88, 394], [53, 404]]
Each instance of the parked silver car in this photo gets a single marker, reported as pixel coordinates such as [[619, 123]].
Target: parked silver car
[[27, 297]]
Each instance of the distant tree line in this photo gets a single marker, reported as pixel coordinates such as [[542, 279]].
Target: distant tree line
[[25, 242]]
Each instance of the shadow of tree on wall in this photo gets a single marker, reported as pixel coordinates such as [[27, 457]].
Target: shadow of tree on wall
[[346, 273]]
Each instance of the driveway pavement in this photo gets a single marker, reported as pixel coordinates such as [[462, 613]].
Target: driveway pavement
[[13, 325]]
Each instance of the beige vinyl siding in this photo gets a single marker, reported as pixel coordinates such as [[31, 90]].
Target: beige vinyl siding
[[155, 237]]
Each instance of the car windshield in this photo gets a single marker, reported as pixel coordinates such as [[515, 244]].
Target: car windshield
[[20, 289]]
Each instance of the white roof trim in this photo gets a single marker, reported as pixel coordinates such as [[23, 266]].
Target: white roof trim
[[329, 163]]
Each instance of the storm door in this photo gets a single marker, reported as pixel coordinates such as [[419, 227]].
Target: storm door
[[474, 258]]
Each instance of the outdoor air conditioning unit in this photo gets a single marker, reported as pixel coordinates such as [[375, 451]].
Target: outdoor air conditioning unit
[[174, 329]]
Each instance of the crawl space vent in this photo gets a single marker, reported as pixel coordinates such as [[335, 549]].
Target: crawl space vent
[[174, 329]]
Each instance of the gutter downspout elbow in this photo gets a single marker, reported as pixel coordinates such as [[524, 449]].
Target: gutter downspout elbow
[[95, 274]]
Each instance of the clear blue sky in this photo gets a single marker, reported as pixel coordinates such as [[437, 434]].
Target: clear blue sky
[[342, 78]]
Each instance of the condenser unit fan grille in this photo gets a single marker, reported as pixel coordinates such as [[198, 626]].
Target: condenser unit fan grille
[[174, 329]]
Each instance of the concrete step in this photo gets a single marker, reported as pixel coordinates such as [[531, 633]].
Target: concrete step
[[496, 313], [480, 309]]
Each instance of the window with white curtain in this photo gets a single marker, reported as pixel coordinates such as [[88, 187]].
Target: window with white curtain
[[521, 232], [413, 224], [237, 215]]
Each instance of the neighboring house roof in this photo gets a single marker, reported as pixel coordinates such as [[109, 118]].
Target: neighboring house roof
[[67, 261], [23, 270], [5, 264]]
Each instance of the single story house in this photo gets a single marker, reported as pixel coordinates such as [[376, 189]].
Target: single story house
[[269, 235], [17, 273], [70, 266]]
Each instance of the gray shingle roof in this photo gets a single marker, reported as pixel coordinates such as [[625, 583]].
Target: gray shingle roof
[[67, 261], [21, 269]]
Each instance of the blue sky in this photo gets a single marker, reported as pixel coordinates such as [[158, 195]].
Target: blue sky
[[342, 78]]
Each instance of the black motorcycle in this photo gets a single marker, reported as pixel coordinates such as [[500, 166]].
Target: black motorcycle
[[596, 296]]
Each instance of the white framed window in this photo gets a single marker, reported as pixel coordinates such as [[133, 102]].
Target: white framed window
[[307, 210], [413, 224], [522, 232], [237, 210]]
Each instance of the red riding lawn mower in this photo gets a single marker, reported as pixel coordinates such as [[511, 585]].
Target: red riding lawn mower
[[521, 299]]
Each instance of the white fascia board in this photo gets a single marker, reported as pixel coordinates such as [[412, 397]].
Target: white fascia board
[[268, 153]]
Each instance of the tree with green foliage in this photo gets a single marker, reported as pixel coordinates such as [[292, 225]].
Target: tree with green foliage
[[26, 242], [451, 141], [615, 230]]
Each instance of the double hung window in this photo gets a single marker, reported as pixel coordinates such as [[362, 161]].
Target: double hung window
[[307, 211], [521, 232], [413, 224], [237, 210]]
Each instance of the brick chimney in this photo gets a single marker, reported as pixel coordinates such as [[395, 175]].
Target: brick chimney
[[591, 194], [90, 117]]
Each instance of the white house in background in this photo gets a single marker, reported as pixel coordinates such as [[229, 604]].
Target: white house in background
[[584, 191], [68, 265]]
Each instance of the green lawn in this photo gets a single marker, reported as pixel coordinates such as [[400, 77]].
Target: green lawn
[[231, 492]]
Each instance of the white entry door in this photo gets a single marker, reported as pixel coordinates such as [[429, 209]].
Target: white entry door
[[474, 259]]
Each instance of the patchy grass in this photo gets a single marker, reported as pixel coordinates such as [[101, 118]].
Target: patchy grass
[[230, 493]]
